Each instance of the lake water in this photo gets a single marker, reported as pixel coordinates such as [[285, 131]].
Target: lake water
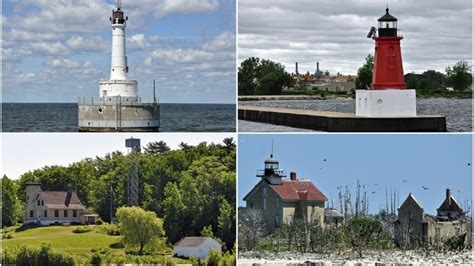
[[62, 117], [458, 112]]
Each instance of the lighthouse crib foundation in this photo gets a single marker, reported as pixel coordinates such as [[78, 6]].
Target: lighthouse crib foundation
[[386, 103]]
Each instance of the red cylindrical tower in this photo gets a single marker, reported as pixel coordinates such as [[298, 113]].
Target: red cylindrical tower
[[388, 66]]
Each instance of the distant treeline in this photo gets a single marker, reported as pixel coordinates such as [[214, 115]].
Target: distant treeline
[[264, 77], [191, 188]]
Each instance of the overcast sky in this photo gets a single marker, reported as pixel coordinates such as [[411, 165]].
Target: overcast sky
[[436, 33], [26, 152], [58, 50]]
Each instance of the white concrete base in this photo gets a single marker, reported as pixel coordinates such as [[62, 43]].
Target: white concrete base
[[385, 103], [123, 88]]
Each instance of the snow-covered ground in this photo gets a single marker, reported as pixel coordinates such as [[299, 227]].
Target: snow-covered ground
[[393, 257]]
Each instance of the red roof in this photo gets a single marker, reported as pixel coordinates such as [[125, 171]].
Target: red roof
[[298, 190]]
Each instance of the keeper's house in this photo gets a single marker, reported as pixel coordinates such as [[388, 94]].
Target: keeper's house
[[54, 207]]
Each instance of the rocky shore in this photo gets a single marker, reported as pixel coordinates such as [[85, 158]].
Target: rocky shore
[[392, 257]]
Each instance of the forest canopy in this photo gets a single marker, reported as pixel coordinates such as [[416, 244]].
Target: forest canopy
[[190, 188]]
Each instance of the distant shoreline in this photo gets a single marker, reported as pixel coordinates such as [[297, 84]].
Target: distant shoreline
[[334, 97]]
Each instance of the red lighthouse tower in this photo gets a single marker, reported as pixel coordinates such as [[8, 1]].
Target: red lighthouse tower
[[388, 66]]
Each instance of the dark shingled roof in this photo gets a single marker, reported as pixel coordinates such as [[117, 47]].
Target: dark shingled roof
[[61, 200], [303, 190], [191, 241], [454, 206], [387, 17]]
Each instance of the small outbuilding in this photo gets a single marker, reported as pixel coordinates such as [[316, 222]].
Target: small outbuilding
[[195, 246]]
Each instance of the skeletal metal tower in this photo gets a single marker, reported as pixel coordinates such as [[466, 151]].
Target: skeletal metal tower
[[133, 146]]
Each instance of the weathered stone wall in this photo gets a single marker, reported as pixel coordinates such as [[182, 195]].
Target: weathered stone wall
[[119, 116]]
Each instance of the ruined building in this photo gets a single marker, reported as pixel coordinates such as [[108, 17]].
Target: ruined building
[[415, 228]]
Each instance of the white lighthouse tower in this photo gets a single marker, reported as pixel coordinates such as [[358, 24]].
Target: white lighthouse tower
[[119, 108], [118, 84]]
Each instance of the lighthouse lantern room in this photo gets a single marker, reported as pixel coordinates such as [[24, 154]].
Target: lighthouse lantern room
[[388, 96]]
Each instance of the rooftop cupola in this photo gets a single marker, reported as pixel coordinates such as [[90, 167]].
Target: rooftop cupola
[[387, 25], [272, 172]]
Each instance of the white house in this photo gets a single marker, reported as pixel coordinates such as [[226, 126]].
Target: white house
[[195, 246]]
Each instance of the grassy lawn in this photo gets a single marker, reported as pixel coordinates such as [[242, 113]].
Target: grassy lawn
[[62, 239]]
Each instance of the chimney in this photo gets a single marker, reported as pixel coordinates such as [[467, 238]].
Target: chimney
[[448, 195], [293, 176], [317, 67], [297, 72]]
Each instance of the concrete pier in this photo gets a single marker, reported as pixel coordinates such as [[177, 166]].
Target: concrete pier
[[340, 122]]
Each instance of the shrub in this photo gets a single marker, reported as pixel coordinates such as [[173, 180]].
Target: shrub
[[110, 229], [99, 221], [81, 229], [96, 259], [214, 258], [38, 257]]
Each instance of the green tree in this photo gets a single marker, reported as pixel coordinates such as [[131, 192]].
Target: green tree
[[247, 76], [263, 77], [10, 202], [360, 231], [139, 227], [226, 223], [157, 147], [459, 76], [207, 231], [364, 74], [272, 77]]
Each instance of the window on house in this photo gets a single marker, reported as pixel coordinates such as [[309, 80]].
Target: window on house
[[74, 213], [277, 221], [264, 198], [45, 213], [65, 213], [277, 204], [42, 203], [31, 214], [56, 213], [39, 202]]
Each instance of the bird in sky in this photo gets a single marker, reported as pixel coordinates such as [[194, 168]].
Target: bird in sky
[[425, 188]]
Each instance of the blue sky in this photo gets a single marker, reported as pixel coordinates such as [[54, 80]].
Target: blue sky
[[433, 161], [58, 50], [17, 149]]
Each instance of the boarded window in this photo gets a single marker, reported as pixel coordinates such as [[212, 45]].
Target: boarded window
[[56, 213], [264, 198]]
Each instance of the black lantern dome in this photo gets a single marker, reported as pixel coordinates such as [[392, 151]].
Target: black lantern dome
[[387, 25]]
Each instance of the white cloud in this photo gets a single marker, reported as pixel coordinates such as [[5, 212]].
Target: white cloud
[[137, 41], [48, 48], [223, 41], [87, 43], [161, 8]]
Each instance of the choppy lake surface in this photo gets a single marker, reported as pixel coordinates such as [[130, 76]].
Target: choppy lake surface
[[62, 117], [458, 112]]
